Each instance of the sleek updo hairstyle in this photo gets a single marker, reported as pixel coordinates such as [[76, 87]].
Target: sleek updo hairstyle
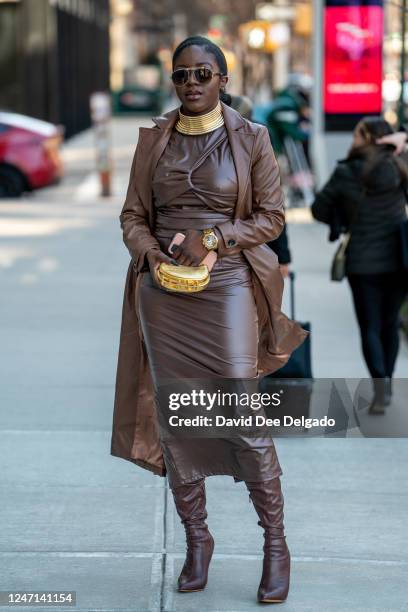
[[210, 47]]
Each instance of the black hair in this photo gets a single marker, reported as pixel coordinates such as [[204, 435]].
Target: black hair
[[372, 129], [375, 127], [210, 47]]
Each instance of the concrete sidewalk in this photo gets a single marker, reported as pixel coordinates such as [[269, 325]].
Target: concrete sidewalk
[[75, 518]]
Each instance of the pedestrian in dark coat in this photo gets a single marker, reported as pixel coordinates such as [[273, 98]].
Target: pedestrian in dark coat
[[366, 194]]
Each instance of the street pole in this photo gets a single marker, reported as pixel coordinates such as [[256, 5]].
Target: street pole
[[401, 113], [101, 112]]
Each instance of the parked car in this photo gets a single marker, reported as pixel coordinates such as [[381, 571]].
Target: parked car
[[29, 154], [143, 93]]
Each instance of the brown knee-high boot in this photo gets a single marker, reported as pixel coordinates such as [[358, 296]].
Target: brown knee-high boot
[[268, 501], [190, 505]]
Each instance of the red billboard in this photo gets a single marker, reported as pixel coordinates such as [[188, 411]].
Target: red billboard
[[353, 59]]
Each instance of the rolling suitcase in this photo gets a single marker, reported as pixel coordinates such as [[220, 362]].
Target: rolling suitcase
[[300, 362], [295, 378]]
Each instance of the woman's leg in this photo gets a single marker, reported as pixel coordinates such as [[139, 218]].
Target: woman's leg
[[190, 505], [267, 498], [367, 297]]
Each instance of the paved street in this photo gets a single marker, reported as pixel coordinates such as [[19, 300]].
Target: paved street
[[75, 518]]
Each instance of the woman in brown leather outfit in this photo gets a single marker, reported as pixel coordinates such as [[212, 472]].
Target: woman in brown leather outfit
[[209, 160]]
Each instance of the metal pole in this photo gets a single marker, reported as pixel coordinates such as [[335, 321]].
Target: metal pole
[[101, 112], [401, 113]]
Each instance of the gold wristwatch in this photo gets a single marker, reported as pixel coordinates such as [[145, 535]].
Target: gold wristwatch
[[209, 239]]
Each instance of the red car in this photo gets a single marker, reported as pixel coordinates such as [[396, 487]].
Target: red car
[[29, 154]]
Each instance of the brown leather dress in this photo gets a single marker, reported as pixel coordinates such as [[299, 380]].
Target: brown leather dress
[[210, 335]]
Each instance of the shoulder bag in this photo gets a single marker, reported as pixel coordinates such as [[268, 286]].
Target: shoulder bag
[[338, 266]]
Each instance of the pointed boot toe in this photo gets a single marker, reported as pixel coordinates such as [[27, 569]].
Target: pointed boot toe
[[194, 575], [274, 585]]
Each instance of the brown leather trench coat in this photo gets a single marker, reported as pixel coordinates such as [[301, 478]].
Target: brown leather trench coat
[[259, 217]]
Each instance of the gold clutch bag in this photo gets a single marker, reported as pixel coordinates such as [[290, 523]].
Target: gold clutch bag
[[184, 279]]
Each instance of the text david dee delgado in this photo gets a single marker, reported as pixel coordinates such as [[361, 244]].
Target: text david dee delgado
[[249, 421]]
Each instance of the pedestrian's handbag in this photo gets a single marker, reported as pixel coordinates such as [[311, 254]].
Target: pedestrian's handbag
[[338, 267]]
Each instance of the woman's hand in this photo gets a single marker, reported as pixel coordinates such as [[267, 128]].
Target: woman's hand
[[398, 139], [191, 251], [154, 259], [284, 268]]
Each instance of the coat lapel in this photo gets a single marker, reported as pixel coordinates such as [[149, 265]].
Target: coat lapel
[[151, 144], [242, 147]]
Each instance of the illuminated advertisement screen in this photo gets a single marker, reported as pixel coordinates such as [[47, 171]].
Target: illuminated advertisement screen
[[353, 34]]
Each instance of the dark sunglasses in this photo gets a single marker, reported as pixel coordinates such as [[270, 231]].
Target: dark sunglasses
[[202, 75]]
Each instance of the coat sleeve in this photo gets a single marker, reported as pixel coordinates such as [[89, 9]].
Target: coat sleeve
[[267, 219], [328, 198], [134, 220], [333, 204]]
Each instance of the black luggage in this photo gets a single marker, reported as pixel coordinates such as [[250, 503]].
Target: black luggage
[[300, 362], [295, 378]]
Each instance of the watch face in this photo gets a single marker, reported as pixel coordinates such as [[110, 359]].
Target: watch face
[[211, 241]]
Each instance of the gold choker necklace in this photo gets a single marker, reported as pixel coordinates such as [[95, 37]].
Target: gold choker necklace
[[200, 124]]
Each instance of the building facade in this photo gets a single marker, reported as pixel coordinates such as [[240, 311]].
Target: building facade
[[53, 55]]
